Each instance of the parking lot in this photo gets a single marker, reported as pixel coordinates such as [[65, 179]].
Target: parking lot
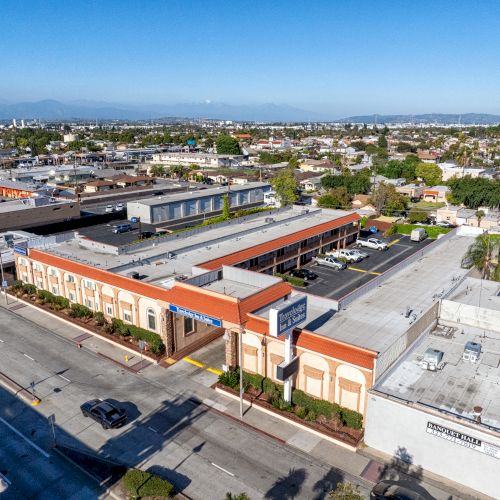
[[335, 284]]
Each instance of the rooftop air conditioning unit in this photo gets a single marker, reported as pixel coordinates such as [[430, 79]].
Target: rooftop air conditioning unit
[[472, 352], [432, 360]]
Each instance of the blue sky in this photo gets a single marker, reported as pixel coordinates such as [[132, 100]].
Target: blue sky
[[337, 56]]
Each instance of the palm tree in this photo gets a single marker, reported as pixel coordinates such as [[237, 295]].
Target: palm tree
[[484, 255], [479, 215]]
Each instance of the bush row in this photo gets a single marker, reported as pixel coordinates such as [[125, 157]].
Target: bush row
[[154, 341], [140, 484], [293, 280], [304, 406]]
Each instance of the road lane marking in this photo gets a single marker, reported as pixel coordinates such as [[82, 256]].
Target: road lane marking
[[222, 469], [375, 273], [215, 370], [64, 378], [194, 362], [31, 443], [153, 429], [29, 357], [393, 242]]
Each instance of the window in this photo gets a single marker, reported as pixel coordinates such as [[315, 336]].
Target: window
[[53, 272], [37, 267], [151, 319], [127, 316], [25, 277], [23, 262], [70, 278], [55, 289], [39, 283], [89, 284], [89, 303], [188, 325], [109, 309], [72, 297]]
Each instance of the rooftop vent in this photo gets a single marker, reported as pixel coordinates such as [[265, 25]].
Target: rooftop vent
[[432, 360], [472, 352]]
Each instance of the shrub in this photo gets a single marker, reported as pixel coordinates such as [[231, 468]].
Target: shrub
[[99, 318], [154, 341], [61, 301], [311, 416], [45, 297], [120, 327], [417, 215], [29, 289], [18, 285], [254, 379], [300, 411], [80, 311], [318, 406], [230, 379], [293, 280], [351, 418], [141, 484], [281, 404]]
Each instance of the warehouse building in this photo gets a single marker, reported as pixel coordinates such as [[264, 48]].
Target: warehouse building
[[208, 202]]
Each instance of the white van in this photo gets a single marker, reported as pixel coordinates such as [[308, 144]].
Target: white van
[[418, 234]]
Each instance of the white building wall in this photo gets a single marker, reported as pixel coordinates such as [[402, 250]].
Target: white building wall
[[391, 425], [480, 317]]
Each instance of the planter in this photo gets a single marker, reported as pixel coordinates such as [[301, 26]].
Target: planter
[[346, 437]]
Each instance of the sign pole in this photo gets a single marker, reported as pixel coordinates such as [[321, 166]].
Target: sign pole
[[287, 394], [240, 362], [3, 279]]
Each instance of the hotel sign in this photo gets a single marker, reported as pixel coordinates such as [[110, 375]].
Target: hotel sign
[[463, 439], [287, 316], [209, 320], [21, 250]]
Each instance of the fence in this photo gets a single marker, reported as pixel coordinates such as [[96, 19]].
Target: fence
[[362, 290]]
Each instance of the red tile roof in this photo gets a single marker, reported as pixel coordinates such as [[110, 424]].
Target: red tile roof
[[242, 255]]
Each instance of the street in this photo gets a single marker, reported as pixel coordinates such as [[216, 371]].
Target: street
[[171, 431]]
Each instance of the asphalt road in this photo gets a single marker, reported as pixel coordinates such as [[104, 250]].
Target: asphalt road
[[335, 284], [170, 431]]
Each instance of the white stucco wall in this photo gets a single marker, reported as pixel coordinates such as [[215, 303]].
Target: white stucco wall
[[390, 425], [480, 317]]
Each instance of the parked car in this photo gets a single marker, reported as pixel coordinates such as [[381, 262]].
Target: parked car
[[360, 253], [109, 209], [104, 412], [385, 489], [158, 193], [305, 274], [418, 234], [119, 206], [346, 254], [148, 234], [443, 223], [374, 243], [330, 262], [121, 228]]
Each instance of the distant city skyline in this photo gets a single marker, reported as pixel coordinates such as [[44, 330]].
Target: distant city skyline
[[341, 58]]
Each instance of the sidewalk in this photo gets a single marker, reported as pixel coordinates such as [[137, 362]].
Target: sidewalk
[[362, 467]]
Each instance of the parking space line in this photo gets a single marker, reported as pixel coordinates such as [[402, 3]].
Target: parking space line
[[216, 371], [375, 273], [199, 364], [29, 357], [222, 469], [21, 435], [393, 242]]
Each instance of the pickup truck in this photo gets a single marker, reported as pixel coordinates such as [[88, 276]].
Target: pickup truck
[[374, 243], [330, 262], [104, 412], [345, 254]]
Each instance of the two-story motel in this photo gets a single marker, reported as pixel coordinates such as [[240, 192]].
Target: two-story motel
[[193, 286]]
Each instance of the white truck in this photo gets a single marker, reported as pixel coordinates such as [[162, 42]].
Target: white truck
[[330, 262], [346, 254], [373, 243], [418, 234]]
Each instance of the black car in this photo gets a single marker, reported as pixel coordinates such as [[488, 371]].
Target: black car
[[305, 274], [385, 490], [148, 234], [104, 412]]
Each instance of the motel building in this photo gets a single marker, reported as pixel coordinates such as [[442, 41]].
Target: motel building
[[194, 286]]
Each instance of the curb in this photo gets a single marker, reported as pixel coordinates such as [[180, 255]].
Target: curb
[[291, 422], [18, 390], [83, 329]]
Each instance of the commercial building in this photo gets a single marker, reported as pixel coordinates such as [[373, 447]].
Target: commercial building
[[450, 170], [440, 401], [32, 212], [208, 202], [194, 285], [207, 160]]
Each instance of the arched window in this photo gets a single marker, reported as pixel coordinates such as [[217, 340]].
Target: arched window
[[151, 319]]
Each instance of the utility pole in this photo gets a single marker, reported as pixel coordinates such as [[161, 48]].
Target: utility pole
[[3, 279]]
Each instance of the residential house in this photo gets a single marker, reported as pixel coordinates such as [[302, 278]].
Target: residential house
[[436, 194]]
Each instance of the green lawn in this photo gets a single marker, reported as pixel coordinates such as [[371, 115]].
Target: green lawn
[[428, 204], [432, 231]]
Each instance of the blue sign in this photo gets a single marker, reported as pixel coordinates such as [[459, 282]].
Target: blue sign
[[196, 315], [191, 142], [21, 250], [135, 220], [287, 316]]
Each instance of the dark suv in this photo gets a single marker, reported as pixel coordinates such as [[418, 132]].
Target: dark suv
[[104, 412], [305, 274]]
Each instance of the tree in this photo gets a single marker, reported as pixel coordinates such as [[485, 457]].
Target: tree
[[479, 216], [382, 142], [285, 186], [359, 183], [239, 496], [474, 192], [157, 170], [177, 171], [484, 255], [336, 198], [227, 145], [417, 215], [430, 173], [385, 198], [345, 491]]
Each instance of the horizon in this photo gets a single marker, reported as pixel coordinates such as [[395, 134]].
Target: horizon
[[374, 59]]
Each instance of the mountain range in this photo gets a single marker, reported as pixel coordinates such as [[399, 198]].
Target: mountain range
[[90, 110]]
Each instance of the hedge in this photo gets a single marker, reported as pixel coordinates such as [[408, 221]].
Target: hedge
[[80, 311], [154, 341], [432, 231], [303, 405], [293, 280], [144, 484]]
